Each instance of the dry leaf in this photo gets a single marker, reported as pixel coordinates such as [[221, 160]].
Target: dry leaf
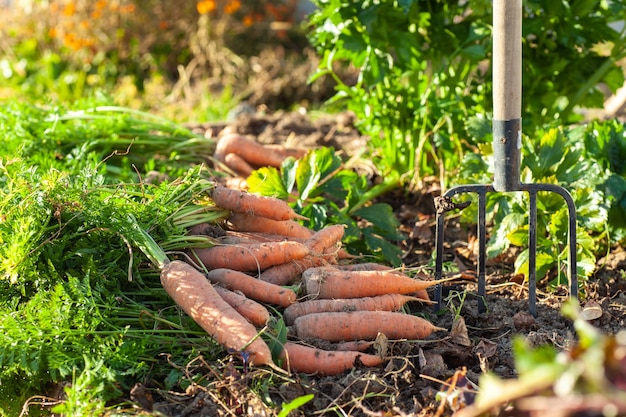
[[458, 333], [591, 311]]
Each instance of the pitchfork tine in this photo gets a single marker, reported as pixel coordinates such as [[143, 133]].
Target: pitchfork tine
[[507, 138]]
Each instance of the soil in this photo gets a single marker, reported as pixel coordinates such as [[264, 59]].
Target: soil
[[409, 383]]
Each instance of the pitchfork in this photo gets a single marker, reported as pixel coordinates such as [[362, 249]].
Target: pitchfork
[[507, 138]]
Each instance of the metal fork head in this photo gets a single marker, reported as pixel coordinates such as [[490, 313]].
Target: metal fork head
[[481, 190]]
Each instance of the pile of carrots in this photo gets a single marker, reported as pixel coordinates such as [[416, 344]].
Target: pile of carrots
[[268, 265]]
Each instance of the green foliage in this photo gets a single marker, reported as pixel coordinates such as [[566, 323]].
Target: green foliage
[[327, 193], [422, 73], [78, 302], [584, 160]]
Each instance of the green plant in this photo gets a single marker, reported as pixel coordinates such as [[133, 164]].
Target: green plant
[[326, 192], [78, 303], [583, 159], [422, 73]]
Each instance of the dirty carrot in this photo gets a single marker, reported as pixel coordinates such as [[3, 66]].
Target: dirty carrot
[[373, 266], [243, 222], [244, 202], [386, 302], [362, 325], [325, 239], [286, 152], [196, 296], [254, 312], [285, 274], [239, 165], [250, 257], [253, 152], [252, 287], [306, 359], [355, 345], [365, 266], [329, 282]]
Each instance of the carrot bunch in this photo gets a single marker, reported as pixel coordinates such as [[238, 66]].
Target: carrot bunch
[[242, 155], [266, 258]]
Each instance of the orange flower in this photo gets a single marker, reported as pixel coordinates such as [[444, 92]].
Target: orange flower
[[205, 6], [248, 20], [70, 9], [129, 8], [232, 6], [100, 4], [163, 25]]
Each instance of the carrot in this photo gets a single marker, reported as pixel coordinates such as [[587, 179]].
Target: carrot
[[373, 266], [362, 325], [236, 183], [355, 345], [244, 202], [286, 152], [254, 312], [325, 239], [285, 274], [328, 282], [310, 360], [253, 152], [386, 302], [366, 266], [197, 297], [252, 287], [238, 164], [250, 257], [243, 222]]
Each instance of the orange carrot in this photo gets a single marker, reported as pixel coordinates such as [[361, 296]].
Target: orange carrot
[[362, 325], [252, 287], [326, 239], [250, 257], [310, 360], [254, 312], [237, 183], [243, 222], [386, 302], [197, 297], [366, 266], [244, 202], [373, 266], [356, 345], [328, 282], [286, 152], [253, 152], [238, 164], [285, 274]]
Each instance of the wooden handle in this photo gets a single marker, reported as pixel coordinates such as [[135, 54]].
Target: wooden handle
[[507, 59]]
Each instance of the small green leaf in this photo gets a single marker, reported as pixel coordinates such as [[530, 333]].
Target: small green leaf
[[267, 181]]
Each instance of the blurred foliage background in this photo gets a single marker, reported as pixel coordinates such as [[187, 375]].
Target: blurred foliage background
[[191, 60]]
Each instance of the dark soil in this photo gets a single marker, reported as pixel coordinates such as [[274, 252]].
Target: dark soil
[[408, 384]]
